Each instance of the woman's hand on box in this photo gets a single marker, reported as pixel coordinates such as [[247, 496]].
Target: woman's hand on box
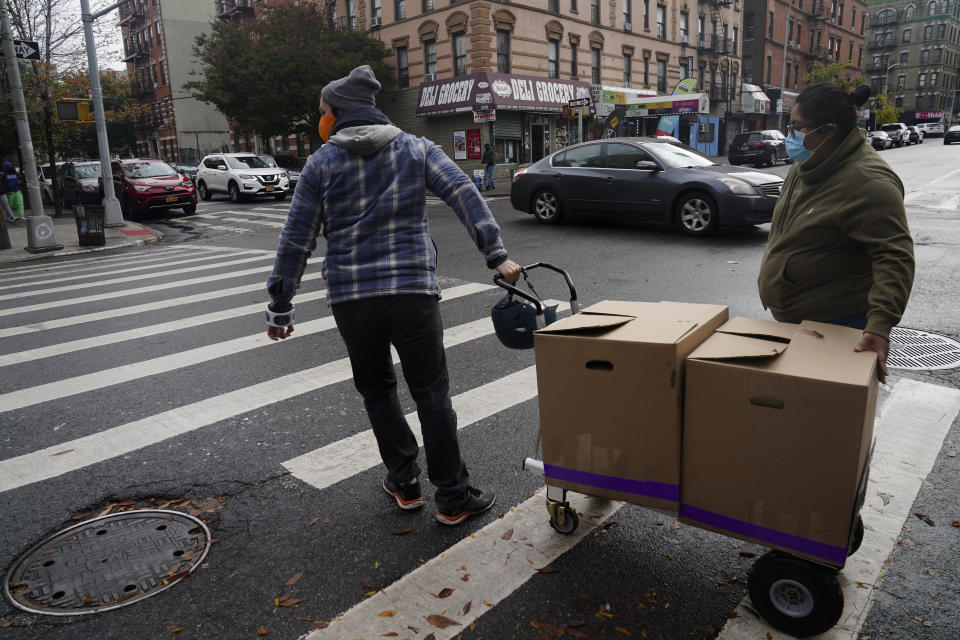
[[879, 344]]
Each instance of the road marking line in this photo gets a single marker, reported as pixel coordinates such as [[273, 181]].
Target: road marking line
[[185, 260], [497, 568], [30, 396], [216, 227], [51, 350], [141, 308], [923, 187], [88, 265], [909, 435], [140, 276], [219, 216], [256, 212], [76, 454]]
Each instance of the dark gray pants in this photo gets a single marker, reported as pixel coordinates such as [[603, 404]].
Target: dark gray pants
[[412, 324]]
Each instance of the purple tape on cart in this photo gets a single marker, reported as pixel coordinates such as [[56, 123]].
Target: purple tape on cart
[[836, 555], [649, 488]]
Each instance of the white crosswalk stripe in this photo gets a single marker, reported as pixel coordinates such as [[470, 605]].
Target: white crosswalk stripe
[[499, 566]]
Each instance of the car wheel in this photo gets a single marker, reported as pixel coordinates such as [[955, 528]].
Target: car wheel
[[190, 209], [234, 192], [202, 190], [546, 206], [771, 158], [697, 214], [280, 196]]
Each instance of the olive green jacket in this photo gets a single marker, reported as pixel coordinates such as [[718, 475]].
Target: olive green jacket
[[839, 244]]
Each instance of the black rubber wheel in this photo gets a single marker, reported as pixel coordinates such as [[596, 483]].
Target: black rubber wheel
[[857, 538], [234, 192], [202, 190], [546, 206], [570, 522], [280, 196], [696, 214], [795, 596], [771, 158], [190, 209]]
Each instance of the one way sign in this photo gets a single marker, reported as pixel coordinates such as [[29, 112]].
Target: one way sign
[[26, 50]]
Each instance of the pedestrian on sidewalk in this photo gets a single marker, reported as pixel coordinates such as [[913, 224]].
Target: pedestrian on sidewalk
[[489, 162], [839, 249], [380, 268], [14, 196], [4, 202]]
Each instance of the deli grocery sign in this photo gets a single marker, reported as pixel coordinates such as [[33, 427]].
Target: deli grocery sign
[[498, 91]]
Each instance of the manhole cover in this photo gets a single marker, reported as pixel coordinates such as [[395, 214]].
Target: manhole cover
[[919, 350], [107, 562]]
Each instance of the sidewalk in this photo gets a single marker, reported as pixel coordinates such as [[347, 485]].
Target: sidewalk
[[65, 229]]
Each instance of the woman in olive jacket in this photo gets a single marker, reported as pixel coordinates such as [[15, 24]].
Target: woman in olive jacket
[[839, 249]]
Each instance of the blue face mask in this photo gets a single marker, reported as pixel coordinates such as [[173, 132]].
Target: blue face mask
[[795, 148]]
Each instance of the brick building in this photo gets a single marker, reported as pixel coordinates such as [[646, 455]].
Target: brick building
[[913, 55], [812, 30], [158, 39]]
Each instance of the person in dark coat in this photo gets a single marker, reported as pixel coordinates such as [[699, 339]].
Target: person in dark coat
[[489, 162]]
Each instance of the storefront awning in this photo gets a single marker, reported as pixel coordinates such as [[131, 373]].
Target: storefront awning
[[486, 91], [605, 98], [753, 99], [786, 101], [654, 106]]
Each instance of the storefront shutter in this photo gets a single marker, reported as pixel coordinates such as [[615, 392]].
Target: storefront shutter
[[508, 125]]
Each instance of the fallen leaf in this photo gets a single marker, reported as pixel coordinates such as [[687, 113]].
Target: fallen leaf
[[287, 600], [668, 556], [292, 581], [389, 613], [549, 628], [106, 510], [4, 623], [925, 518], [175, 629], [430, 637], [446, 592], [927, 623], [391, 634], [465, 577], [466, 608], [548, 569], [304, 618], [176, 504], [507, 534], [262, 631], [955, 523], [401, 533], [320, 624], [60, 453], [126, 503], [314, 521], [670, 540], [732, 262], [486, 602], [623, 631], [747, 554], [195, 512], [769, 636], [441, 622]]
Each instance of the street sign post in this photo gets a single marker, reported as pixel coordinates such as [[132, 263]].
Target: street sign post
[[26, 50], [573, 104]]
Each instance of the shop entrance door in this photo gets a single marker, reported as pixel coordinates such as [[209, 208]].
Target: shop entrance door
[[537, 141]]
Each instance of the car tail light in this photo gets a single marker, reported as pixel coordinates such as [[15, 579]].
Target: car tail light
[[518, 174], [759, 144]]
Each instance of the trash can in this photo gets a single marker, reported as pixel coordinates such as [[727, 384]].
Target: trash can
[[89, 220]]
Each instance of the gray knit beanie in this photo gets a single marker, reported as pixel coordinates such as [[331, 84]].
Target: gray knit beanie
[[354, 91]]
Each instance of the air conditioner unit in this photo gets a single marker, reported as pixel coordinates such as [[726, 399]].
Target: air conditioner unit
[[154, 85], [793, 44], [375, 22], [685, 39], [628, 26], [429, 77]]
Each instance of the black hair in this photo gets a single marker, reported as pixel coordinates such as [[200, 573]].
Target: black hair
[[826, 103]]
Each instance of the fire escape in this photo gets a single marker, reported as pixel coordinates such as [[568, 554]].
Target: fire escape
[[818, 50], [234, 10], [717, 47]]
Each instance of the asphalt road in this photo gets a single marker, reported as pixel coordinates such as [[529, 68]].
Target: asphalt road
[[143, 375]]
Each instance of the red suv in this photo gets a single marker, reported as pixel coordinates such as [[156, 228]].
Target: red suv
[[148, 183]]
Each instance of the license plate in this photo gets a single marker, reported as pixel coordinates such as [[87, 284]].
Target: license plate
[[269, 188], [171, 198], [744, 148]]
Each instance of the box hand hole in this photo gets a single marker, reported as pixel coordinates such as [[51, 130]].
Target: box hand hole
[[600, 365], [771, 403]]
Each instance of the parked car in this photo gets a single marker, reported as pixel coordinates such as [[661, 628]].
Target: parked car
[[916, 135], [952, 135], [897, 132], [189, 170], [80, 183], [240, 175], [758, 148], [645, 179], [879, 140], [931, 129], [142, 184], [45, 175], [291, 164]]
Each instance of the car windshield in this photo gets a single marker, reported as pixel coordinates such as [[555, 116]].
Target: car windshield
[[955, 127], [679, 157], [155, 169], [740, 138], [269, 160], [87, 170], [246, 162], [187, 167]]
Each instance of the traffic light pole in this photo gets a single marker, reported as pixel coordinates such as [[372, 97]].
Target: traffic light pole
[[40, 233], [113, 216]]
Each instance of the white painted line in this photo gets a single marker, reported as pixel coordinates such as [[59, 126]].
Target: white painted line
[[147, 267], [30, 396], [909, 435], [98, 316], [86, 266], [216, 227], [52, 350], [82, 452], [263, 223], [497, 568], [924, 187], [260, 257], [339, 460], [257, 213]]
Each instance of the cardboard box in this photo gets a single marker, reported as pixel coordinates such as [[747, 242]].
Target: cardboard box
[[778, 424], [610, 383]]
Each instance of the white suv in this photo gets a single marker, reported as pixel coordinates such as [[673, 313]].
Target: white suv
[[897, 132], [240, 175]]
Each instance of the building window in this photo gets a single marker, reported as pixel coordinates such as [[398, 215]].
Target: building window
[[928, 32], [574, 71], [573, 5], [553, 58], [796, 75], [859, 55], [399, 9], [503, 51], [941, 31], [770, 26], [899, 102], [700, 36], [375, 11], [646, 14], [840, 15], [922, 80], [685, 26], [901, 82], [661, 76], [460, 54], [595, 11], [627, 69], [628, 15], [850, 53], [925, 56], [430, 57], [931, 8], [595, 65], [903, 59], [733, 87], [836, 51], [352, 14], [933, 78], [661, 21], [769, 66], [403, 72], [427, 5], [736, 39], [853, 20], [906, 36], [646, 72], [910, 11], [553, 6], [937, 53]]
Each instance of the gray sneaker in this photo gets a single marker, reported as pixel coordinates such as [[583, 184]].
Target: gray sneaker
[[408, 495], [477, 502]]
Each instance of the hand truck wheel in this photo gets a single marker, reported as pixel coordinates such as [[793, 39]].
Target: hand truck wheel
[[563, 518], [796, 596]]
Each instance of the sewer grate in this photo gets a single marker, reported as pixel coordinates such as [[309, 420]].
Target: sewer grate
[[919, 350], [107, 562]]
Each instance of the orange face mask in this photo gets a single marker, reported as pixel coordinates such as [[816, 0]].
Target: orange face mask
[[326, 124]]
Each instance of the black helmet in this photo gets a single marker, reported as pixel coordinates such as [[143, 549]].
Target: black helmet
[[515, 321]]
